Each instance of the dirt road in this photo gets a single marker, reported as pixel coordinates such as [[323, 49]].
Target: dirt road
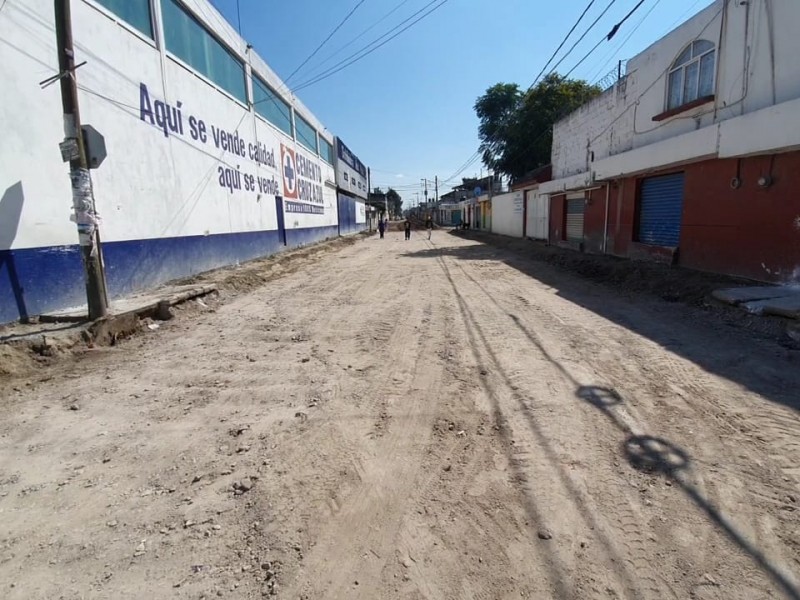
[[437, 420]]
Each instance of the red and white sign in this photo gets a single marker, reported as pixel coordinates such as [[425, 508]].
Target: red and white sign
[[288, 172]]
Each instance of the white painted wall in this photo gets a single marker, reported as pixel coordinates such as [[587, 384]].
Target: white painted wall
[[572, 137], [351, 173], [771, 127], [361, 212], [507, 214], [573, 182], [538, 214], [151, 185], [747, 80], [693, 146]]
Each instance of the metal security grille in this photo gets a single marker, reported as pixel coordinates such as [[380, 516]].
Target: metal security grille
[[575, 209], [661, 210]]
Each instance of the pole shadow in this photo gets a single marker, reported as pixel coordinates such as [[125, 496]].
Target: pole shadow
[[643, 452], [711, 345], [478, 339], [658, 456], [11, 205]]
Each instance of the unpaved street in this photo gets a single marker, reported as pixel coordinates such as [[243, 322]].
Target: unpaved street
[[437, 420]]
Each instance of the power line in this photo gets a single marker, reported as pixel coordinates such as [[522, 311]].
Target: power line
[[609, 57], [464, 168], [475, 155], [607, 38], [370, 47], [468, 164], [616, 27], [217, 15], [564, 41], [688, 11], [407, 187], [580, 39], [395, 186], [239, 17], [471, 160], [363, 33], [652, 84], [376, 170], [330, 35], [347, 61], [587, 55]]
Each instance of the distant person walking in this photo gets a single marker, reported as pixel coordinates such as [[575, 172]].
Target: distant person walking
[[407, 229], [429, 225], [381, 227]]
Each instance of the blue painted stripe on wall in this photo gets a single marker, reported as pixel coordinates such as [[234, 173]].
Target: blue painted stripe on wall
[[348, 206], [37, 280], [304, 237], [355, 228]]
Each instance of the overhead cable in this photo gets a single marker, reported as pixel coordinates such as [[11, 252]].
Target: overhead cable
[[580, 39], [607, 38], [336, 52], [325, 41], [610, 56], [366, 51], [564, 41]]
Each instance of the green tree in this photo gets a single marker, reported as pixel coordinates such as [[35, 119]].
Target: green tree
[[497, 110], [395, 203], [390, 198], [516, 129]]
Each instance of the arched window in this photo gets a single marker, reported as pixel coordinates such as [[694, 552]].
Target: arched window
[[692, 74]]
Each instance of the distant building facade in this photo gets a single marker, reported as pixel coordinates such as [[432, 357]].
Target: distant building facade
[[693, 157]]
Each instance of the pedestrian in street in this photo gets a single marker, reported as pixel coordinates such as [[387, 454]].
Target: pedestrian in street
[[429, 225], [381, 227], [407, 229]]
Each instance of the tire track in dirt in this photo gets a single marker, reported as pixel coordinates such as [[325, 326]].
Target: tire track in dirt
[[700, 402], [586, 330], [392, 461], [525, 459], [412, 421], [467, 537]]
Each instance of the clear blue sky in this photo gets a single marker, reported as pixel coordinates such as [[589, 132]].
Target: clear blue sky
[[407, 109]]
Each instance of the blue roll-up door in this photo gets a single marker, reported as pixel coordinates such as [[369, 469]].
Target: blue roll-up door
[[661, 210]]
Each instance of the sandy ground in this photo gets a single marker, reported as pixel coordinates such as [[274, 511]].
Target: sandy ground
[[438, 420]]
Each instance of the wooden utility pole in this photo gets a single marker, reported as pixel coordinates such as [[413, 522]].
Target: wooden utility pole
[[436, 179], [74, 149]]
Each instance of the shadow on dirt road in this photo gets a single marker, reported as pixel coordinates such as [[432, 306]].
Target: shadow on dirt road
[[698, 342], [761, 366], [658, 456]]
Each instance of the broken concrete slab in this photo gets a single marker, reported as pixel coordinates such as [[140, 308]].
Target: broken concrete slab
[[741, 295], [140, 304], [63, 330], [788, 306]]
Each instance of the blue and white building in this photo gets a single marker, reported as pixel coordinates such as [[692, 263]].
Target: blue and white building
[[211, 159], [352, 190]]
